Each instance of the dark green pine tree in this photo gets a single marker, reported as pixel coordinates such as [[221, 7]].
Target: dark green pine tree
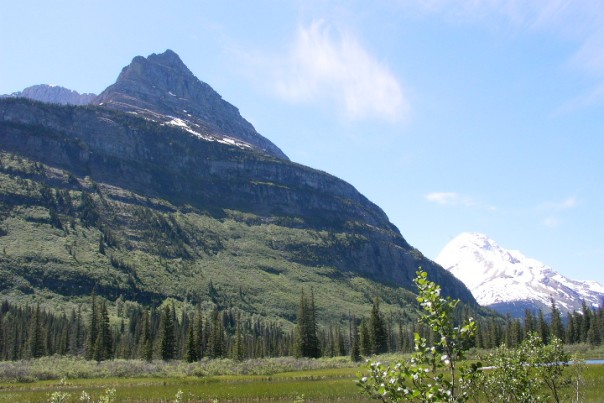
[[355, 351], [238, 346], [103, 346], [2, 344], [542, 327], [36, 336], [216, 341], [146, 341], [199, 335], [364, 339], [571, 330], [313, 329], [586, 321], [93, 328], [191, 354], [168, 337], [377, 330], [556, 326], [306, 338]]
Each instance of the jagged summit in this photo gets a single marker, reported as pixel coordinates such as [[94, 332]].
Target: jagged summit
[[53, 94], [508, 281], [161, 88]]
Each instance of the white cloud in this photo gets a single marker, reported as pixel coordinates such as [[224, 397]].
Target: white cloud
[[560, 205], [450, 199], [321, 66], [555, 209], [551, 222]]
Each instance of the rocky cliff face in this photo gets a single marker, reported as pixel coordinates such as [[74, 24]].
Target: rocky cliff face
[[55, 95], [130, 157], [161, 88]]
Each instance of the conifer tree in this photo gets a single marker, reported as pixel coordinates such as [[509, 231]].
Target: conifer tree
[[355, 352], [191, 355], [103, 345], [199, 334], [586, 321], [556, 327], [2, 340], [146, 342], [377, 330], [238, 345], [36, 337], [216, 341], [364, 339], [93, 328], [306, 338], [168, 338], [542, 328]]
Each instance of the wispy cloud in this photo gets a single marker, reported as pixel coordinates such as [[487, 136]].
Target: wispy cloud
[[450, 199], [555, 209], [551, 221], [576, 22], [559, 205], [326, 64]]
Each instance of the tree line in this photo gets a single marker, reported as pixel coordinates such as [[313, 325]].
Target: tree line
[[137, 332]]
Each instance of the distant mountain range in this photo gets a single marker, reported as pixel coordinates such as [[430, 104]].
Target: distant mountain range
[[509, 282], [53, 94], [158, 188]]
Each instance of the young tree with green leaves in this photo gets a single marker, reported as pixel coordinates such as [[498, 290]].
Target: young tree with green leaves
[[422, 378], [532, 372]]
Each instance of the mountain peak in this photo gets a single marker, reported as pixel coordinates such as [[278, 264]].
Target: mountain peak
[[53, 94], [161, 88], [508, 281]]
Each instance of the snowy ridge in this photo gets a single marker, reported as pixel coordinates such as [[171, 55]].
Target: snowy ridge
[[184, 125], [502, 278]]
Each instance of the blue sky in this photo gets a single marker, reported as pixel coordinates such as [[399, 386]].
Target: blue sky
[[452, 116]]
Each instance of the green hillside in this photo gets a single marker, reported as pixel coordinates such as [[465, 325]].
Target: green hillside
[[62, 235]]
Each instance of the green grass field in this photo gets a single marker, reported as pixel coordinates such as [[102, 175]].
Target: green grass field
[[323, 384]]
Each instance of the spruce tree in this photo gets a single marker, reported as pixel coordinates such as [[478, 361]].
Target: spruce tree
[[106, 334], [93, 328], [238, 345], [306, 338], [556, 327], [191, 355], [377, 330], [364, 339], [199, 335], [542, 328], [355, 351], [168, 338], [146, 342], [216, 342], [36, 337], [103, 344]]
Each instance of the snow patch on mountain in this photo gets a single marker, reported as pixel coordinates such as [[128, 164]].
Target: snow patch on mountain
[[498, 277]]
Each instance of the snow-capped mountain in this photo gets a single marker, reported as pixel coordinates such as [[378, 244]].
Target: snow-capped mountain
[[510, 282]]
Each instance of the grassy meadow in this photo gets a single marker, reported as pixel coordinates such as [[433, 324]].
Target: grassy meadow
[[272, 380]]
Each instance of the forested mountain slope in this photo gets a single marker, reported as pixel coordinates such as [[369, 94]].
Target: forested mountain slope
[[150, 206]]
